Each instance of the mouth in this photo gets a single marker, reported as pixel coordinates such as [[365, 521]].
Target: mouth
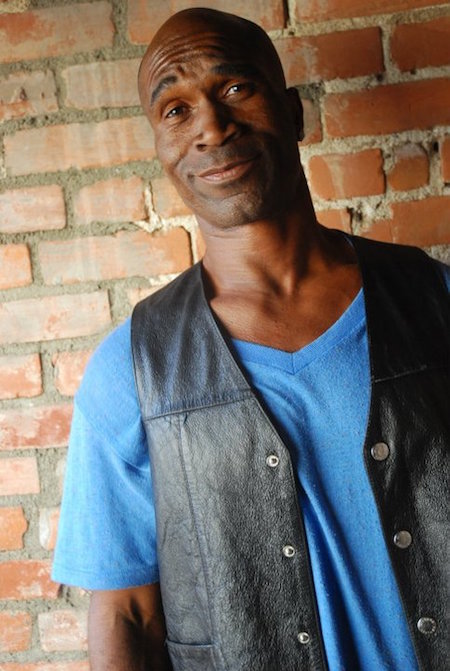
[[228, 172]]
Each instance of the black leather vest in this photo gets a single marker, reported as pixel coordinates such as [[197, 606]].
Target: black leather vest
[[234, 569]]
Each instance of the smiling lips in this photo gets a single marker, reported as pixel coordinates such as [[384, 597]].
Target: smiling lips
[[228, 172]]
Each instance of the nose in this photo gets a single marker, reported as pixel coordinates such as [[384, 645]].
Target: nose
[[215, 124]]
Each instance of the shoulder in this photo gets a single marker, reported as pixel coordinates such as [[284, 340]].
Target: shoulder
[[107, 395]]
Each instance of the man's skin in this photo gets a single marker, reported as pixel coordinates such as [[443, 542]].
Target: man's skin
[[226, 131]]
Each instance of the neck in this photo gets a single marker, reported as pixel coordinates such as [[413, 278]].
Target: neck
[[269, 256]]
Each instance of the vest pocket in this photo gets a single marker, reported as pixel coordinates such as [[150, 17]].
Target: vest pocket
[[191, 657]]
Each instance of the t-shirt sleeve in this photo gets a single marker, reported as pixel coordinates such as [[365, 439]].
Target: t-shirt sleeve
[[106, 533]]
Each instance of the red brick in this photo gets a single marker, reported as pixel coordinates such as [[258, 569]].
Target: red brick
[[347, 175], [410, 169], [445, 159], [79, 145], [104, 84], [12, 528], [53, 317], [35, 427], [339, 219], [36, 208], [388, 109], [25, 94], [348, 53], [19, 476], [45, 666], [423, 223], [326, 10], [139, 293], [15, 266], [126, 254], [48, 527], [15, 631], [420, 45], [55, 31], [146, 16], [112, 200], [312, 124], [166, 201], [63, 630], [27, 579], [69, 368], [20, 376]]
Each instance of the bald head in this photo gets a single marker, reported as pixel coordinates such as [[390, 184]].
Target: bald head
[[236, 34]]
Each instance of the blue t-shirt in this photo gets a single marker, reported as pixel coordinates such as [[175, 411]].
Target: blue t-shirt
[[318, 398]]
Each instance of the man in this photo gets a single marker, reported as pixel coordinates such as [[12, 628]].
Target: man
[[276, 548]]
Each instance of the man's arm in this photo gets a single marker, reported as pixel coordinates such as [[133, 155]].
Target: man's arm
[[127, 630]]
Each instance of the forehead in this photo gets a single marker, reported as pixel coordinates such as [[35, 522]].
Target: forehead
[[190, 55]]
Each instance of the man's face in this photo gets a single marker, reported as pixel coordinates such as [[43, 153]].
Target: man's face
[[224, 127]]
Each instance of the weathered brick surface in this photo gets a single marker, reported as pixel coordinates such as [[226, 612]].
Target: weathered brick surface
[[26, 579], [420, 45], [324, 10], [55, 31], [138, 294], [18, 476], [63, 630], [339, 219], [12, 528], [79, 145], [69, 368], [145, 16], [111, 200], [348, 53], [166, 201], [15, 631], [15, 266], [109, 84], [445, 158], [37, 208], [35, 427], [20, 376], [45, 666], [410, 169], [48, 527], [423, 222], [115, 256], [25, 94], [51, 317], [388, 109], [347, 175], [312, 123]]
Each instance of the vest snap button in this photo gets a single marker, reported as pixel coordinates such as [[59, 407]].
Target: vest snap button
[[380, 451], [272, 460], [288, 551], [402, 539], [426, 625], [303, 637]]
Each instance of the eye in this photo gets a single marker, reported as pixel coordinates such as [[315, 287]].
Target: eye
[[240, 88], [174, 111]]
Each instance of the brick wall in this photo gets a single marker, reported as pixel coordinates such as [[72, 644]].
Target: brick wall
[[89, 224]]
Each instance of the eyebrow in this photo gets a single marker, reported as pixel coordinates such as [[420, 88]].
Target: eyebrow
[[163, 84], [236, 70]]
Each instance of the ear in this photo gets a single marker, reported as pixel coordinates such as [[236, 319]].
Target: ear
[[296, 107]]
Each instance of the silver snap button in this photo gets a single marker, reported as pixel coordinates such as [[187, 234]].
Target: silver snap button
[[402, 539], [426, 625], [379, 451], [272, 460], [303, 637], [288, 551]]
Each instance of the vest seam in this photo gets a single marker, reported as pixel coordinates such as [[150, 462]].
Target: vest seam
[[247, 395]]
